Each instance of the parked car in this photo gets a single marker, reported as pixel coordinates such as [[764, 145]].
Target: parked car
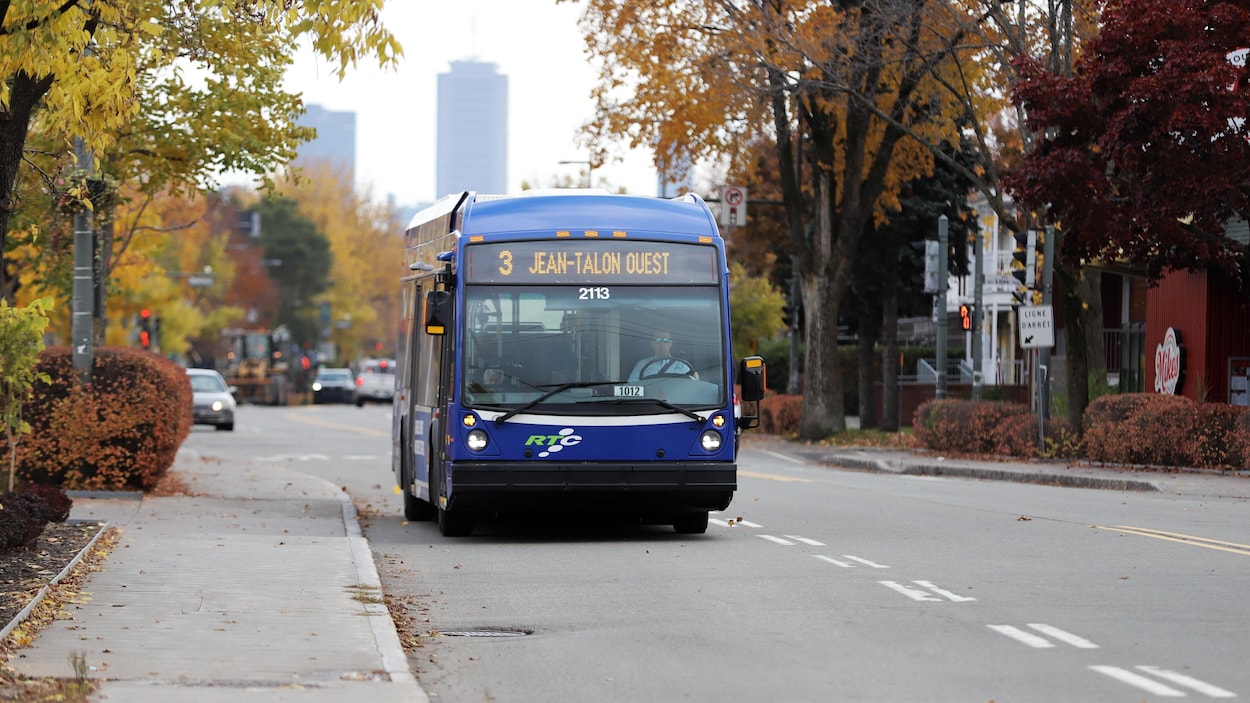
[[334, 385], [375, 381], [213, 402]]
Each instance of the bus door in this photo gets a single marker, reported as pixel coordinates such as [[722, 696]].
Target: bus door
[[437, 368]]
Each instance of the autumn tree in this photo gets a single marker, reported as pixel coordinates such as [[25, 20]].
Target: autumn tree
[[1143, 155], [297, 257], [706, 76], [366, 244], [1140, 151], [174, 92], [755, 307]]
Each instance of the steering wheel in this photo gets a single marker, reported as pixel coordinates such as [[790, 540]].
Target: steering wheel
[[670, 363]]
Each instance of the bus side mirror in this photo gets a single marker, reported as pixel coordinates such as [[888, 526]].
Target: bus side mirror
[[437, 312], [751, 376]]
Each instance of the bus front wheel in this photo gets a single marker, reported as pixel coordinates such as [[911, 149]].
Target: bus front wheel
[[452, 523], [690, 523]]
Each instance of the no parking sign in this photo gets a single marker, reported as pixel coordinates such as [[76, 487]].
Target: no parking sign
[[733, 205]]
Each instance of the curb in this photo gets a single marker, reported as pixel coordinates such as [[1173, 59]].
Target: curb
[[385, 633], [1115, 484], [30, 608], [1049, 479]]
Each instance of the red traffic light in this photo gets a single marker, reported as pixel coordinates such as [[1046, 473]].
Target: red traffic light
[[145, 339], [145, 313]]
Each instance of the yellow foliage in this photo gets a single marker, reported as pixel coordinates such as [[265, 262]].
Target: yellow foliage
[[366, 242]]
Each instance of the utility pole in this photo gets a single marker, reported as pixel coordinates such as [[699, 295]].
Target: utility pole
[[81, 324], [1048, 273], [939, 309], [978, 317]]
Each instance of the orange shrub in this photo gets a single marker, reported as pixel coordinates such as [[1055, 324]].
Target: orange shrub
[[1017, 436], [1240, 440], [1139, 428], [959, 425], [1101, 424], [122, 431], [1213, 441], [780, 414]]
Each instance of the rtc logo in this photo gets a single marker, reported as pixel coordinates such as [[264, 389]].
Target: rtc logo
[[554, 442], [1169, 364]]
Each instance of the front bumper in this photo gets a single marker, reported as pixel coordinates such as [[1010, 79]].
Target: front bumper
[[651, 486], [205, 415], [334, 395]]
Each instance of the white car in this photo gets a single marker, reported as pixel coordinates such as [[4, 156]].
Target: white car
[[375, 381], [213, 402]]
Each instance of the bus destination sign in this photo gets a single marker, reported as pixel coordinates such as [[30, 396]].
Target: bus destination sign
[[590, 261]]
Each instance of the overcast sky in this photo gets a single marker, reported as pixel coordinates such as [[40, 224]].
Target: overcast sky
[[535, 43]]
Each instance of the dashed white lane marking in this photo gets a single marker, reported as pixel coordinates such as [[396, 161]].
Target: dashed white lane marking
[[1188, 681], [1063, 636], [946, 594], [845, 565], [1148, 685], [777, 540], [748, 523], [912, 593], [865, 562], [925, 595], [1019, 635], [1040, 642], [806, 540]]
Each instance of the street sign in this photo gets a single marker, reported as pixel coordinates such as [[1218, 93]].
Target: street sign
[[733, 205], [1037, 326]]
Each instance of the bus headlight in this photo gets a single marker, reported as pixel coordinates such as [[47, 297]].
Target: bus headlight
[[476, 440], [710, 440]]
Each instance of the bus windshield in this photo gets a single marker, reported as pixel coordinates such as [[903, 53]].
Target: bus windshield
[[602, 350]]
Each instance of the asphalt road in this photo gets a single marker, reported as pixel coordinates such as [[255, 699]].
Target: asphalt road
[[817, 584]]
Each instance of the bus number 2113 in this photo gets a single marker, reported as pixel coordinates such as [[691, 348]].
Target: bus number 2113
[[596, 293]]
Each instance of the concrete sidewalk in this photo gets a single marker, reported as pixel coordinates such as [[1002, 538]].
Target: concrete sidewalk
[[260, 588]]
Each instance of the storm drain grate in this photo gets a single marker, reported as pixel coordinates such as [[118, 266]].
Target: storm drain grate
[[483, 633]]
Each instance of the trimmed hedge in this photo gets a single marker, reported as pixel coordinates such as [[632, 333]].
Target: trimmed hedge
[[121, 432], [968, 426], [1131, 428]]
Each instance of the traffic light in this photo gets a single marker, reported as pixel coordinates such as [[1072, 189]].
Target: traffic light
[[1025, 259], [145, 328], [965, 317]]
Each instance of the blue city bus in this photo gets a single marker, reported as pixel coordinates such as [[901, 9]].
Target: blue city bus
[[523, 321]]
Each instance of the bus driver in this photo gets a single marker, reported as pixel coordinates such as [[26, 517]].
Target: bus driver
[[661, 362]]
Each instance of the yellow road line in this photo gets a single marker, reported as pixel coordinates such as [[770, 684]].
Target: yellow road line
[[334, 425], [1192, 540], [773, 477]]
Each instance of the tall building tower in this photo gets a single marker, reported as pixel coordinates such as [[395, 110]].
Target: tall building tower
[[472, 129], [336, 139]]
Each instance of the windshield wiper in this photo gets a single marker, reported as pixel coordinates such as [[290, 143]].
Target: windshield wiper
[[554, 391], [663, 404]]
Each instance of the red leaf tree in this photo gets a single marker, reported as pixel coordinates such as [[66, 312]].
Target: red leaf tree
[[1143, 154]]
